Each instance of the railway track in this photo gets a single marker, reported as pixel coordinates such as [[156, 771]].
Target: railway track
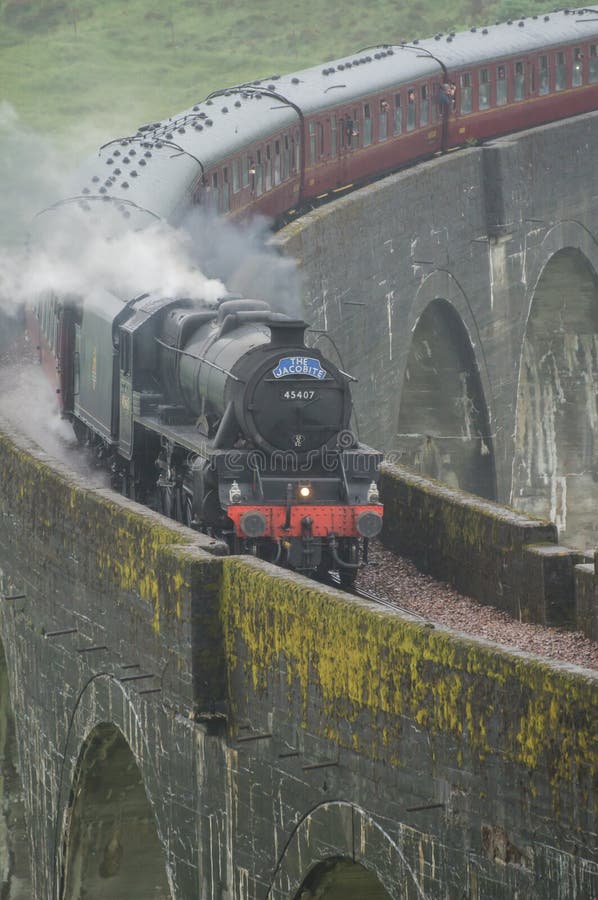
[[375, 598]]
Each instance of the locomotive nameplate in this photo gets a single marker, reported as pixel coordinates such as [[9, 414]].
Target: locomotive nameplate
[[290, 366]]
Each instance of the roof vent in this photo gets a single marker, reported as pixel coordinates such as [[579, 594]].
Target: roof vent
[[296, 80], [484, 31], [237, 103], [225, 109], [209, 102], [209, 123], [521, 24]]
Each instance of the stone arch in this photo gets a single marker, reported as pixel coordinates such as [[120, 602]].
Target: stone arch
[[555, 463], [338, 844], [111, 847], [15, 856], [443, 419], [341, 879]]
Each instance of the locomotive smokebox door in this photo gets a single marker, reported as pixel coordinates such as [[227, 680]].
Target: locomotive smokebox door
[[294, 401]]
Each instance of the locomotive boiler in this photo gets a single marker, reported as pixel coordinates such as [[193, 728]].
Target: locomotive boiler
[[225, 419]]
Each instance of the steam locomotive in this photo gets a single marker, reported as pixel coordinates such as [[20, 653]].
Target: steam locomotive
[[223, 411], [248, 427]]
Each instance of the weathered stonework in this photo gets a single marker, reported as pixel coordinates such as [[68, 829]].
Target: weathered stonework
[[194, 725], [463, 295], [176, 724]]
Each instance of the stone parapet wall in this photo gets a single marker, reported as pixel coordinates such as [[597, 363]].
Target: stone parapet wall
[[279, 723], [490, 552]]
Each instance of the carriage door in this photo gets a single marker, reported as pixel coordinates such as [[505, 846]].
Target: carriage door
[[125, 433]]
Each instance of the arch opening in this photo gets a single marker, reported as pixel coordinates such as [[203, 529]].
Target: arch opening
[[112, 848], [15, 859], [341, 879], [555, 468], [443, 427]]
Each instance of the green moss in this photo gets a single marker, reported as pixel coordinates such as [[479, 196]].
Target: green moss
[[358, 661]]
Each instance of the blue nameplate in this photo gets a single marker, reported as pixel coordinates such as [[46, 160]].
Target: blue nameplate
[[292, 366]]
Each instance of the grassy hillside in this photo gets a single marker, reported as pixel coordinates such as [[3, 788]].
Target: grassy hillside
[[84, 70]]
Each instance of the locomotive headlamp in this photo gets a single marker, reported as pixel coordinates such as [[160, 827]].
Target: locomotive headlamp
[[234, 493], [304, 491], [373, 495]]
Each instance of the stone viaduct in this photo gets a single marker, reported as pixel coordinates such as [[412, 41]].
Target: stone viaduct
[[177, 724], [463, 295]]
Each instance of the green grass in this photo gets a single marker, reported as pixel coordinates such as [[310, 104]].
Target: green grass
[[82, 71]]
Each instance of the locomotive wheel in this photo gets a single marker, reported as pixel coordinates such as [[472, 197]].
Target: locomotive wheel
[[166, 493], [349, 551], [187, 509]]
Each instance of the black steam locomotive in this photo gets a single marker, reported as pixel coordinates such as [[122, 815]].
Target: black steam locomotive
[[223, 416]]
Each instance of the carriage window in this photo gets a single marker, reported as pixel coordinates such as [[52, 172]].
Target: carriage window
[[333, 135], [259, 175], [425, 104], [215, 191], [276, 162], [125, 352], [519, 82], [466, 104], [268, 168], [560, 82], [383, 121], [484, 89], [320, 139], [244, 171], [593, 71], [312, 142], [577, 73], [225, 191], [398, 115], [544, 79], [296, 155], [286, 162], [501, 86], [367, 125], [411, 109], [531, 77], [235, 175], [356, 128]]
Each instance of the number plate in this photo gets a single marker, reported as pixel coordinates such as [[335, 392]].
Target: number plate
[[299, 394]]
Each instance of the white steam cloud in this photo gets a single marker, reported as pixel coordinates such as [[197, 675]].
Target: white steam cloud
[[54, 246], [72, 251]]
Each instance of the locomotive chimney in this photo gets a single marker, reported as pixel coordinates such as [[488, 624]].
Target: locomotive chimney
[[286, 332]]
